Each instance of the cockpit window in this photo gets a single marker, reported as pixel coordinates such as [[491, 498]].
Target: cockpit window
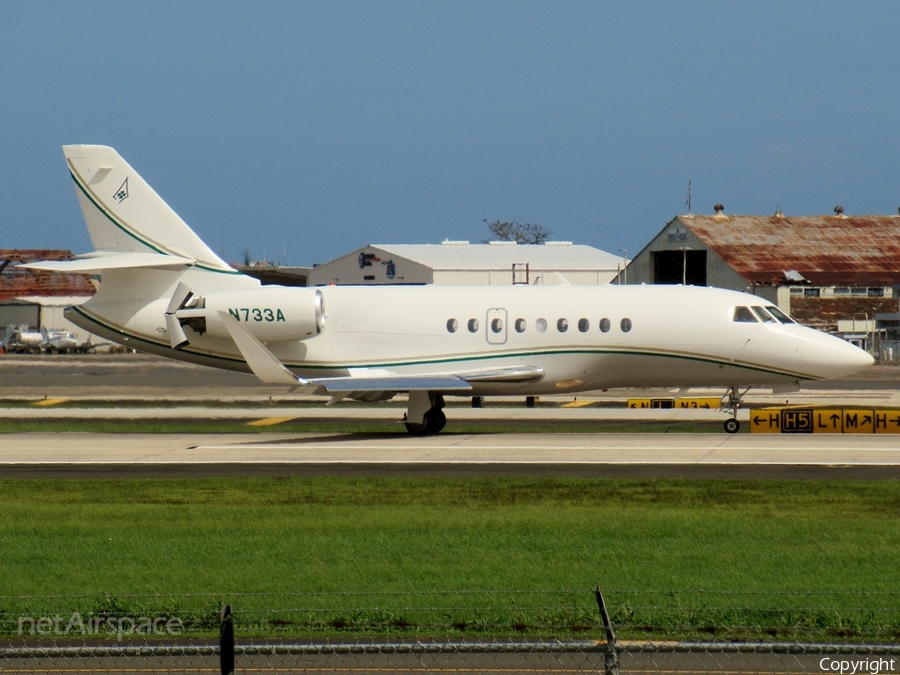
[[744, 315], [778, 314], [764, 315]]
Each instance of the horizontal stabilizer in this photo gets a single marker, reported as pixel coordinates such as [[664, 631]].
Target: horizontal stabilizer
[[99, 261]]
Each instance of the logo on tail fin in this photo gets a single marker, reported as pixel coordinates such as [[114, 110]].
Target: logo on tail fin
[[122, 193]]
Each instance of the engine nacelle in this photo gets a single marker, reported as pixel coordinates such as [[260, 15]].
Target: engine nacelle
[[270, 313]]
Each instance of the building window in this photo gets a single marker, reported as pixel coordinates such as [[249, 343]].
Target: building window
[[876, 292], [811, 292]]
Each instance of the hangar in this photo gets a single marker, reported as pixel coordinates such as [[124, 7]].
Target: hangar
[[824, 270], [37, 299], [463, 264]]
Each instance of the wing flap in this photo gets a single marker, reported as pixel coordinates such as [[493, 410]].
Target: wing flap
[[511, 374], [442, 383]]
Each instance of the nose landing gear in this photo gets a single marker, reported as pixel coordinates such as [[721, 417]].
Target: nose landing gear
[[732, 402]]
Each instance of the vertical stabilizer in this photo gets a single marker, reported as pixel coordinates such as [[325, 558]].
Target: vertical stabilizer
[[125, 215]]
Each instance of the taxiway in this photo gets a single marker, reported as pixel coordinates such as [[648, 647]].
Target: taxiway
[[150, 387]]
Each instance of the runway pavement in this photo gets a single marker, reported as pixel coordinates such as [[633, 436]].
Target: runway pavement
[[587, 455], [203, 393]]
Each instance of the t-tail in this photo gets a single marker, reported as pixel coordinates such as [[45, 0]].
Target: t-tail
[[161, 287], [125, 216]]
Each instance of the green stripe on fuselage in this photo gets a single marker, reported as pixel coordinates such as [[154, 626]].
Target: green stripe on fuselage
[[520, 355]]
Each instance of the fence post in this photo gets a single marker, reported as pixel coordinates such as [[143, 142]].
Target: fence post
[[611, 658], [226, 641]]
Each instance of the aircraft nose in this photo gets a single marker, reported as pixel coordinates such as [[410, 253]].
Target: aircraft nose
[[832, 357]]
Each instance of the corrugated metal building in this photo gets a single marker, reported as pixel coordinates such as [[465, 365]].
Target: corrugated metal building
[[821, 269], [461, 263], [36, 298]]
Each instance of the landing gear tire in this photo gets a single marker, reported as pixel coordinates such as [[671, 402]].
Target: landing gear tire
[[732, 402], [435, 420]]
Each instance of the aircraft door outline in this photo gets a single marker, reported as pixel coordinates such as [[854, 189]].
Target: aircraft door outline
[[496, 326]]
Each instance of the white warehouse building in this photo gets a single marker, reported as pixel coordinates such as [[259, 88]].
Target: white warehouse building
[[459, 263]]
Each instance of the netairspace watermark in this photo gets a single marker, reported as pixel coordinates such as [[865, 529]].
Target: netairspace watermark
[[99, 626], [858, 666]]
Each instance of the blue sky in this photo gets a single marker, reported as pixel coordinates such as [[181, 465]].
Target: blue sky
[[300, 131]]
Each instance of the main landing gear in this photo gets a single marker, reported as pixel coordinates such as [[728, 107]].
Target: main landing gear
[[732, 403], [428, 408]]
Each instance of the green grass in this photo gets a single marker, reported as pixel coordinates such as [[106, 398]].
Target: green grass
[[302, 555]]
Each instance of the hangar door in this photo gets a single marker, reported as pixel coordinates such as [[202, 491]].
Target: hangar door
[[19, 315], [676, 267]]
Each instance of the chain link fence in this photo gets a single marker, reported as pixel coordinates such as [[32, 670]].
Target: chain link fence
[[503, 632]]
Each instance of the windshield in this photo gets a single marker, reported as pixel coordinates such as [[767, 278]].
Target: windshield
[[778, 314]]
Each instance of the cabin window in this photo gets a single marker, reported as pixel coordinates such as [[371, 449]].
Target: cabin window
[[521, 325], [541, 325], [473, 325], [605, 325], [764, 315], [584, 325], [625, 325], [778, 314], [562, 325], [744, 315], [496, 325], [452, 325]]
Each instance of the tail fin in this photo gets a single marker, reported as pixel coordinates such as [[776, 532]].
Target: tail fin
[[125, 216]]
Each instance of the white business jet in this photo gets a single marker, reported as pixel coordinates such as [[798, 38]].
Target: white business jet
[[162, 290]]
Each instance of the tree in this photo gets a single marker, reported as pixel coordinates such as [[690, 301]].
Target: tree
[[521, 233]]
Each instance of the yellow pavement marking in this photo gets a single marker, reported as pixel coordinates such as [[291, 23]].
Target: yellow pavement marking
[[50, 401], [269, 421], [577, 404]]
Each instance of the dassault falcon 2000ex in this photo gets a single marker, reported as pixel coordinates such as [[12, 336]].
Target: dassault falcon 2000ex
[[163, 290]]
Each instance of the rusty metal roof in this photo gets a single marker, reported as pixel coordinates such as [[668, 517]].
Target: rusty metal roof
[[825, 250], [16, 282]]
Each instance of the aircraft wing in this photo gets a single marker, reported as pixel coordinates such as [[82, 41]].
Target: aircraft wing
[[458, 382], [266, 366]]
